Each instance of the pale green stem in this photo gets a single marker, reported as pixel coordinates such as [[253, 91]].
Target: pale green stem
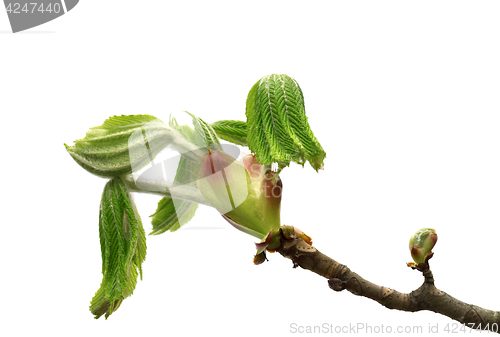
[[184, 192]]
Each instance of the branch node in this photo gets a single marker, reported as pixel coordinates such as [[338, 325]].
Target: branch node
[[472, 317], [336, 284]]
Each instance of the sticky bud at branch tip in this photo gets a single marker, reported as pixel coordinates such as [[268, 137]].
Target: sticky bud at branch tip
[[421, 244]]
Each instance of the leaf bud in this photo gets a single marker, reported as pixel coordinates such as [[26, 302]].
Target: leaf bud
[[421, 244]]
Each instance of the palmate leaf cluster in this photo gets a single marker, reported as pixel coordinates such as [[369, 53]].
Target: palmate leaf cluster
[[105, 152], [276, 130]]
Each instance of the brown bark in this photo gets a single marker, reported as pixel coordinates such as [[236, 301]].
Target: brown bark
[[426, 297]]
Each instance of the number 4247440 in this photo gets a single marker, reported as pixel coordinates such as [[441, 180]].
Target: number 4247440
[[455, 327], [33, 7]]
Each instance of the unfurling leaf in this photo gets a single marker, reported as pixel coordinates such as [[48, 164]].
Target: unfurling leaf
[[121, 144], [232, 131], [123, 248], [205, 136], [278, 130], [172, 214]]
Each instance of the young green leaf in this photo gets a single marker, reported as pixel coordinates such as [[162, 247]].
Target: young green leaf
[[171, 214], [232, 131], [183, 129], [123, 248], [278, 130], [205, 135], [187, 169], [122, 144]]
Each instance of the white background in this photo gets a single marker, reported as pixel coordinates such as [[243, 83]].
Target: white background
[[403, 96]]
